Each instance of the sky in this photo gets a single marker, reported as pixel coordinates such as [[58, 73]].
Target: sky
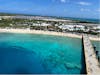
[[64, 8]]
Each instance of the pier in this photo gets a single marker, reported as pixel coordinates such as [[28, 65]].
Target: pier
[[92, 64]]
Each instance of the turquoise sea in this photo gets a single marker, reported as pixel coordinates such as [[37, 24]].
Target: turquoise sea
[[96, 44], [40, 54], [97, 21], [91, 20]]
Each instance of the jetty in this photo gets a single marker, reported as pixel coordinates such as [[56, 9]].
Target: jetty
[[92, 63]]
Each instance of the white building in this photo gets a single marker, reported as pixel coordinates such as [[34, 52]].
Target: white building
[[36, 24], [41, 24], [45, 24], [72, 27], [96, 27], [79, 27]]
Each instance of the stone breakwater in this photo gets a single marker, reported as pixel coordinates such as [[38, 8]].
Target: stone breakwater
[[92, 64]]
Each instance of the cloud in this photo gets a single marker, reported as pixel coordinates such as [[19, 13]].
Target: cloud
[[84, 10], [98, 10], [63, 1], [84, 3]]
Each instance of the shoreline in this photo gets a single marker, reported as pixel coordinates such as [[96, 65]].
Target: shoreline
[[73, 35]]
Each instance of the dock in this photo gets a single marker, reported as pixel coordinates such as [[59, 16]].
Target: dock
[[92, 64]]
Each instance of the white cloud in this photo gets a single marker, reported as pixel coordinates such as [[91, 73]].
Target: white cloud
[[98, 10], [63, 1], [84, 10], [84, 3]]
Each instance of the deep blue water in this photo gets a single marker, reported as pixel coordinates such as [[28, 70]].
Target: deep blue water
[[85, 19], [40, 54]]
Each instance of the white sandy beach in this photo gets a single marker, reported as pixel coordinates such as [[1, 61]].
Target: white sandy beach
[[46, 32]]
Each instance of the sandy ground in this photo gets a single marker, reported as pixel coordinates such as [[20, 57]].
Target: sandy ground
[[47, 33]]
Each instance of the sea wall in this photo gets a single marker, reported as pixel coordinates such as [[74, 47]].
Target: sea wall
[[92, 64]]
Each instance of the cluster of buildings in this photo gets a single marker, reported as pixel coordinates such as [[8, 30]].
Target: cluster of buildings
[[83, 28], [70, 28]]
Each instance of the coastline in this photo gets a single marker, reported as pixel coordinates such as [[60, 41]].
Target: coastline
[[46, 33]]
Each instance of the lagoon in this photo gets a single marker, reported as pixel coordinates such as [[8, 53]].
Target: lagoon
[[40, 54]]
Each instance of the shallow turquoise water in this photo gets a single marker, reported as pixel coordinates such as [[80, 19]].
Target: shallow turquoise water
[[28, 53], [96, 44]]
